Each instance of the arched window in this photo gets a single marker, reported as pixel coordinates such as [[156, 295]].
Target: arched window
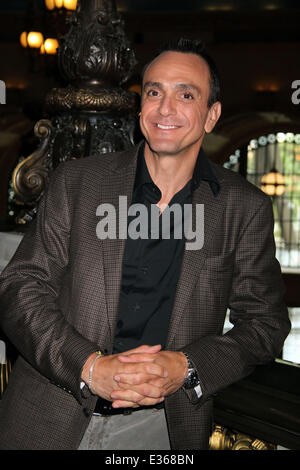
[[255, 160], [279, 153]]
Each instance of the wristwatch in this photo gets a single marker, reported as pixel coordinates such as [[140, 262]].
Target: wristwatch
[[191, 380]]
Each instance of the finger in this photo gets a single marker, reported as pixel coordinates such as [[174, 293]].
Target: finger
[[124, 404], [126, 395], [144, 348], [151, 401], [139, 378], [146, 368], [159, 382], [141, 357], [137, 392], [143, 402], [144, 390]]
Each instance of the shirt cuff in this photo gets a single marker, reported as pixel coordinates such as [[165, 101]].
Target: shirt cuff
[[198, 391]]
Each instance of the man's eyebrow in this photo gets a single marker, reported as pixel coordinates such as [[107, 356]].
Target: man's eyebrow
[[181, 86], [187, 86], [153, 84]]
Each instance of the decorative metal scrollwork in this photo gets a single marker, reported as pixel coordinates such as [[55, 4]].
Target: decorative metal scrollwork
[[96, 51], [225, 439], [111, 100], [30, 175]]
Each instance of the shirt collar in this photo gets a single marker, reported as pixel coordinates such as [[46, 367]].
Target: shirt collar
[[202, 171]]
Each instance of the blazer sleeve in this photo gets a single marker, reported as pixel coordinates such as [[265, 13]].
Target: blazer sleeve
[[29, 288], [257, 312]]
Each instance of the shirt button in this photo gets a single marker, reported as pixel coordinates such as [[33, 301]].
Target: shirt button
[[136, 307], [144, 269]]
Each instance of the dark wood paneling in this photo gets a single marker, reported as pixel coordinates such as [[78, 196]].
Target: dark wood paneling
[[292, 284], [265, 405]]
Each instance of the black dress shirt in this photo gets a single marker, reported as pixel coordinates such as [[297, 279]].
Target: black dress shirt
[[151, 267]]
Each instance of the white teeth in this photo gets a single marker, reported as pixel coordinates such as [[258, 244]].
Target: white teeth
[[165, 127]]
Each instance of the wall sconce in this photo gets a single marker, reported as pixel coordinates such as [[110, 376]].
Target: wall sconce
[[273, 183], [67, 4], [50, 46], [23, 39], [70, 4], [33, 39], [268, 88]]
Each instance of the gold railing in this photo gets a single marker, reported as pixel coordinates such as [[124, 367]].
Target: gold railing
[[226, 439], [5, 370]]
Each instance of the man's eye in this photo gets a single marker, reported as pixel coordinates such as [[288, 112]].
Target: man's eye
[[187, 96], [152, 93]]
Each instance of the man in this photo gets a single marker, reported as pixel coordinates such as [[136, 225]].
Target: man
[[120, 341]]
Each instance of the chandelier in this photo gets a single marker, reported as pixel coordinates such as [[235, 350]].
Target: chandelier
[[273, 183], [37, 39]]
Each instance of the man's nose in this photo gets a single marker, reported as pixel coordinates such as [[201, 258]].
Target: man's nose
[[167, 106]]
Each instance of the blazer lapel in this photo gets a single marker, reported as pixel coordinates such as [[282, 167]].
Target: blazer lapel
[[193, 260], [119, 182]]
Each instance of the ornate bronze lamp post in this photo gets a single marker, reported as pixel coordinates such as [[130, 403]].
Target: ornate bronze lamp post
[[93, 114]]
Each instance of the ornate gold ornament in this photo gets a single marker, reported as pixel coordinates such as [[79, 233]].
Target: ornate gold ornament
[[5, 370], [30, 174], [225, 439], [110, 100]]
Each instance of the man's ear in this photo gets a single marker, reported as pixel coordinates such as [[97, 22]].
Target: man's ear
[[213, 115]]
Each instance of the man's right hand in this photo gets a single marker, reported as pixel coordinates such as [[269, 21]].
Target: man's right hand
[[107, 367]]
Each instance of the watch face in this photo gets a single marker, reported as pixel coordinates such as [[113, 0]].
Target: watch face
[[191, 381]]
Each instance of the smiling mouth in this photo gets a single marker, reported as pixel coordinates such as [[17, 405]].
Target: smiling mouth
[[166, 128]]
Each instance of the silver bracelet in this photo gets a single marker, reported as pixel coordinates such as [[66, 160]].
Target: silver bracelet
[[98, 355]]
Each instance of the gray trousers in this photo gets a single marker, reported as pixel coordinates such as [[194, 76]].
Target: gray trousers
[[141, 430]]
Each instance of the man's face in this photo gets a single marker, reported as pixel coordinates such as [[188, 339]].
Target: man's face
[[174, 115]]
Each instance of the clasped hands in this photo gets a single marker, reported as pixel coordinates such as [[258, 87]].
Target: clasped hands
[[139, 377]]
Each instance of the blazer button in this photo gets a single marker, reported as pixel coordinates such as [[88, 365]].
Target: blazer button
[[87, 411]]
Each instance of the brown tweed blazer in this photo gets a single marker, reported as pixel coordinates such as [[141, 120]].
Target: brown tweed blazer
[[59, 298]]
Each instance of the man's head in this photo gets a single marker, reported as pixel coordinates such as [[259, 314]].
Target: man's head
[[195, 46], [180, 98]]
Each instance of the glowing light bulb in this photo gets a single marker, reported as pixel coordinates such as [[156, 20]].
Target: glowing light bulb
[[70, 4], [50, 4], [23, 39], [35, 39], [51, 45]]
